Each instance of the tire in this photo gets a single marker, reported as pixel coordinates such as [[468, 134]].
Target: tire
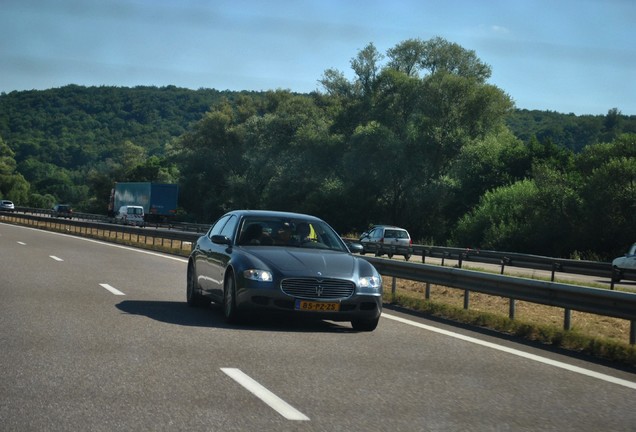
[[407, 257], [229, 301], [364, 324], [193, 298]]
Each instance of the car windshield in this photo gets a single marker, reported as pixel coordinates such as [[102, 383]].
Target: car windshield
[[300, 233]]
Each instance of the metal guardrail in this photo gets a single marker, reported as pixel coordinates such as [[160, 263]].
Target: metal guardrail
[[597, 301], [181, 226], [84, 227], [570, 297], [534, 262]]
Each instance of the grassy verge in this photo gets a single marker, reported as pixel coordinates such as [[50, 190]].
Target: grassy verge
[[598, 336]]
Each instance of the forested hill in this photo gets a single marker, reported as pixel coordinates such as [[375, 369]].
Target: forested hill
[[74, 125], [568, 130]]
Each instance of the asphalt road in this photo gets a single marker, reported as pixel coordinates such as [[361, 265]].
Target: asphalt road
[[97, 337]]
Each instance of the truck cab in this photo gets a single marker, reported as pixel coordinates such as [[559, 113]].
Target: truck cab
[[130, 215]]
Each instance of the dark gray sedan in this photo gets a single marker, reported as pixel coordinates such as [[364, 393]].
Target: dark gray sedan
[[279, 262]]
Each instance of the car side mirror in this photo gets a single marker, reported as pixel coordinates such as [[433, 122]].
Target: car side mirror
[[355, 247], [221, 239]]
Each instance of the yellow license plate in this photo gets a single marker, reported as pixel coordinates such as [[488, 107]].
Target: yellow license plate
[[312, 306]]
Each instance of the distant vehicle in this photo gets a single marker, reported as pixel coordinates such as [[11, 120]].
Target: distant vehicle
[[626, 262], [159, 200], [62, 210], [130, 215], [388, 235], [6, 205], [284, 263]]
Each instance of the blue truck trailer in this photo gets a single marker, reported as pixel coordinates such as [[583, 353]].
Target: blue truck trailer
[[159, 200]]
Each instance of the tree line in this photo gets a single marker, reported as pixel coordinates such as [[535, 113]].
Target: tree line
[[415, 137]]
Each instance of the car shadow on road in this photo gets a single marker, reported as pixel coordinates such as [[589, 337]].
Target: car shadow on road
[[179, 313]]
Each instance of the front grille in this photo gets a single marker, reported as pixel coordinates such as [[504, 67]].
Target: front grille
[[318, 288]]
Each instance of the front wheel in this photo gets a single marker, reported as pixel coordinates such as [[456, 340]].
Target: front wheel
[[365, 325], [229, 301]]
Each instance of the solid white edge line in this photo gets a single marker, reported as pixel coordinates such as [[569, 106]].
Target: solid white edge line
[[276, 403], [516, 352], [111, 289], [56, 258]]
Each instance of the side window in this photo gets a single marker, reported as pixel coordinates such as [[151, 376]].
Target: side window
[[375, 234], [218, 226], [230, 227]]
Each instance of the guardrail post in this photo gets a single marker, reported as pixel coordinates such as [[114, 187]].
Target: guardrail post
[[444, 255], [555, 267], [424, 256], [615, 275], [512, 307], [393, 288], [632, 333], [504, 261], [462, 257], [567, 320], [427, 293], [466, 299]]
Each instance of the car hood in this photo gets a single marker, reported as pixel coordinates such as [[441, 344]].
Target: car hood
[[307, 262], [618, 261]]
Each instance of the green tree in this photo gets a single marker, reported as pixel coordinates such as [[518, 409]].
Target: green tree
[[207, 156], [13, 185], [440, 55], [608, 191], [505, 219], [499, 159]]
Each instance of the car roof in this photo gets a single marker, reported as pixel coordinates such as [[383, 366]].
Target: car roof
[[388, 226], [273, 213]]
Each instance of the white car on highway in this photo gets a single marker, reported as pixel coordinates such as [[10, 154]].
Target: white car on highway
[[626, 262], [130, 215]]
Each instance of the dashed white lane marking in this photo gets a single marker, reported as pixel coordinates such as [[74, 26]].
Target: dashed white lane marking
[[576, 369], [56, 258], [22, 243], [276, 403], [111, 289]]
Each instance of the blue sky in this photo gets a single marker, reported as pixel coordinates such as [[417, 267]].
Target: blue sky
[[569, 56]]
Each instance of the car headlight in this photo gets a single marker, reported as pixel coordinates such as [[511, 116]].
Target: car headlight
[[258, 275], [370, 282]]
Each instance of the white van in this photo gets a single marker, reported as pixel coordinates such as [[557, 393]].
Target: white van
[[130, 215]]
